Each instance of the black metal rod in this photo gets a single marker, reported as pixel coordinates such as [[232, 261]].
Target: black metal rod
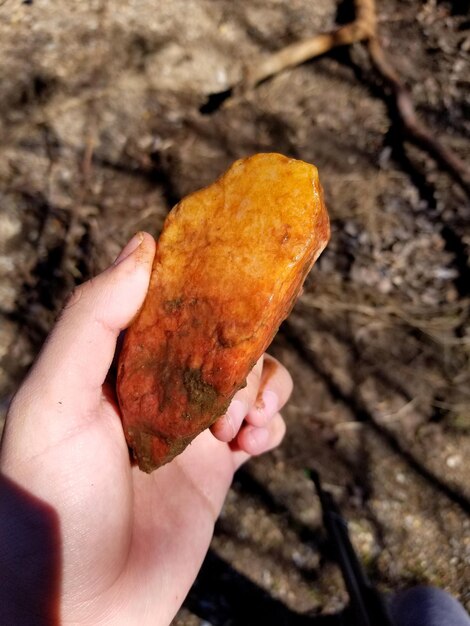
[[366, 605]]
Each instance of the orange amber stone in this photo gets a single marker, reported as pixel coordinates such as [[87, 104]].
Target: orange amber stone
[[229, 266]]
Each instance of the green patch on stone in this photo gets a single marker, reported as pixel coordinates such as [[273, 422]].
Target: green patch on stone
[[171, 306], [202, 396]]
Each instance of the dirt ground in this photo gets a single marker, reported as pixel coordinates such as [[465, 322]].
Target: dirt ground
[[101, 133]]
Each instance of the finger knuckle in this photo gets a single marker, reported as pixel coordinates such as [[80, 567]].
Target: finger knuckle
[[280, 426], [74, 297], [253, 379], [283, 373], [21, 402], [289, 381]]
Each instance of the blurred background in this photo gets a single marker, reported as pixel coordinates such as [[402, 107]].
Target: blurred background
[[105, 125]]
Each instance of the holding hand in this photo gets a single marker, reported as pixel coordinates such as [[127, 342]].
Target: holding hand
[[131, 544]]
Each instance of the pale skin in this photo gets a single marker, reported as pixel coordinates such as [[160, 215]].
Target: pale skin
[[131, 543]]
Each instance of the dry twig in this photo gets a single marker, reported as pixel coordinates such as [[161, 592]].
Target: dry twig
[[362, 29]]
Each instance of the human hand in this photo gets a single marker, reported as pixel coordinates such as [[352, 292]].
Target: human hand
[[128, 544]]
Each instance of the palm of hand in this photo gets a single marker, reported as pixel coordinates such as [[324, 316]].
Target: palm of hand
[[141, 538]]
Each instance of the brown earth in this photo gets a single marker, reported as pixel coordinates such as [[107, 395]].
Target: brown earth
[[101, 133]]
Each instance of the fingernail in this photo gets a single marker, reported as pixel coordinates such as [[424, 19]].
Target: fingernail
[[268, 404], [258, 437], [130, 247], [235, 415]]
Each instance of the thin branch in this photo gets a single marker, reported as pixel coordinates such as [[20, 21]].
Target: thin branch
[[362, 29], [414, 128]]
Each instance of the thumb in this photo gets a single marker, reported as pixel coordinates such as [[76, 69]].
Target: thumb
[[76, 357]]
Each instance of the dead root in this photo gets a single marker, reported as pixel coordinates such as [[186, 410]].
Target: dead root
[[362, 29]]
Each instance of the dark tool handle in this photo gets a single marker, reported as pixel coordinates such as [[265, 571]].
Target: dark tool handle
[[366, 605]]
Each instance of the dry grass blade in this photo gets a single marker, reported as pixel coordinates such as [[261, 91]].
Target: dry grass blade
[[439, 325]]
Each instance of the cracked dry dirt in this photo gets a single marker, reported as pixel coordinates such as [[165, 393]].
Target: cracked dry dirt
[[101, 132]]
